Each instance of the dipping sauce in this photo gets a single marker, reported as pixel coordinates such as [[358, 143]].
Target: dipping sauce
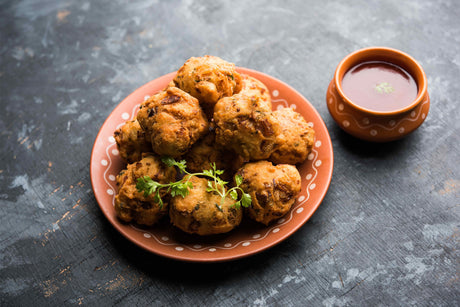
[[379, 86]]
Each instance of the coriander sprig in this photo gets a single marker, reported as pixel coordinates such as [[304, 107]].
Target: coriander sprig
[[149, 186], [215, 184]]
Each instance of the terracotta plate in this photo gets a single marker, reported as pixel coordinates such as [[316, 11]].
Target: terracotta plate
[[249, 238]]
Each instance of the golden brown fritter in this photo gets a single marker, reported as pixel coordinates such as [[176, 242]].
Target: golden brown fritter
[[173, 121], [133, 206], [295, 141], [208, 78], [206, 150], [202, 212], [254, 88], [246, 125], [273, 189], [131, 141]]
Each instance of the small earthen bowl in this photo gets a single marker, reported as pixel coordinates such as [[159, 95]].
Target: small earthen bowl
[[372, 125]]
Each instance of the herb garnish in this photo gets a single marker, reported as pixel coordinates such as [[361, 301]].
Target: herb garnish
[[215, 184]]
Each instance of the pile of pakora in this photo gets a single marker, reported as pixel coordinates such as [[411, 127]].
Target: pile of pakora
[[210, 115]]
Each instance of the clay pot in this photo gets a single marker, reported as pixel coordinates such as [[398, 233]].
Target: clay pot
[[372, 125]]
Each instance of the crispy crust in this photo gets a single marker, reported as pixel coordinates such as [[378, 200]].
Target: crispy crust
[[208, 78], [246, 125], [273, 189], [295, 140], [173, 121], [133, 206], [210, 113], [131, 141], [203, 213], [254, 88]]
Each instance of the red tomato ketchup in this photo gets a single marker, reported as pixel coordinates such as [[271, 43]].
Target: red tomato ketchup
[[379, 86]]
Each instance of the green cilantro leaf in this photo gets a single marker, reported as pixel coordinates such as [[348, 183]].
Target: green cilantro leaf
[[238, 180], [221, 182], [208, 173], [234, 194], [147, 185], [181, 188], [157, 199], [168, 161], [209, 187], [246, 200], [172, 162], [219, 172]]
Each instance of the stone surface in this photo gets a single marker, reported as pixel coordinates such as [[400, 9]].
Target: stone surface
[[387, 232]]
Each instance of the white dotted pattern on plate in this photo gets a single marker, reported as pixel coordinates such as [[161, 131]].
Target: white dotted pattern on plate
[[298, 207]]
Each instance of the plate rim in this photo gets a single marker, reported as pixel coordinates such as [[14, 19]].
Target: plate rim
[[288, 233]]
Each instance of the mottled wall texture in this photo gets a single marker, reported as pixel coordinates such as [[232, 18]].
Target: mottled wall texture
[[387, 232]]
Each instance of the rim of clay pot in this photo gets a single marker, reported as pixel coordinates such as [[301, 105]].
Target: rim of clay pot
[[385, 54]]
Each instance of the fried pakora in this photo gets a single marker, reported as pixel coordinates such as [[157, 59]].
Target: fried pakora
[[208, 78], [134, 206], [131, 141], [246, 125], [273, 189], [295, 140], [173, 121], [202, 212], [255, 89], [211, 114]]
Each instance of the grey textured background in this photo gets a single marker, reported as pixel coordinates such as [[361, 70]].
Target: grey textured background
[[387, 232]]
